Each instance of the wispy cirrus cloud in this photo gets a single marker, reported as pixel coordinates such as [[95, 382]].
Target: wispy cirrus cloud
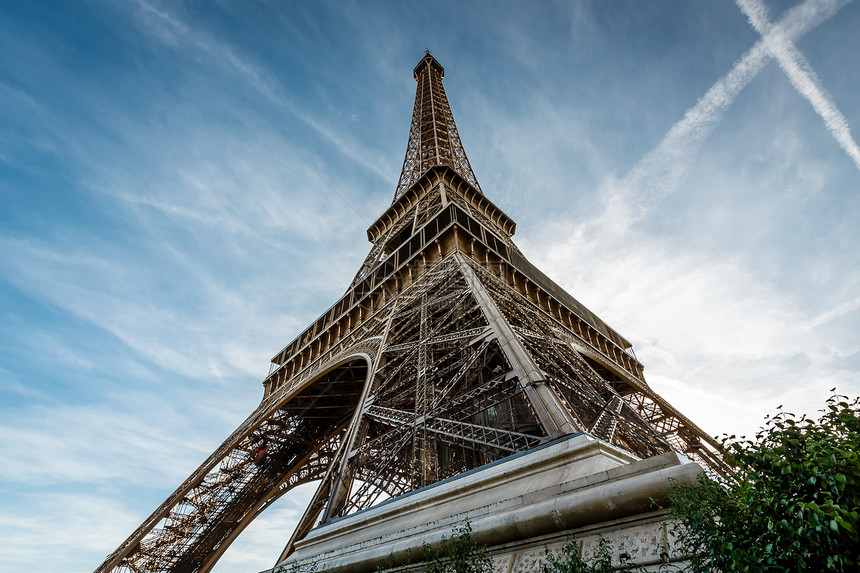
[[144, 453], [172, 30], [63, 530], [119, 298]]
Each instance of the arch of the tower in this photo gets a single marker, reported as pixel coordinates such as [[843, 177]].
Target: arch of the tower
[[282, 445]]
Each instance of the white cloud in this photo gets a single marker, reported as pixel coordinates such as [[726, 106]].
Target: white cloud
[[120, 298], [837, 312], [13, 385], [171, 30], [717, 342], [59, 531], [55, 443]]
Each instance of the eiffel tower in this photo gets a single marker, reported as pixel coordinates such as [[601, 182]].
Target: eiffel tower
[[448, 351]]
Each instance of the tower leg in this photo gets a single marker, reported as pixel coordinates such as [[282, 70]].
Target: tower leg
[[555, 418]]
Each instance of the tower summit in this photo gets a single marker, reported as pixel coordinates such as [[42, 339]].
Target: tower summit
[[449, 351], [433, 137]]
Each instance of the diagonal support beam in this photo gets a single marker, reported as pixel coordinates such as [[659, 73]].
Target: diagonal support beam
[[551, 412]]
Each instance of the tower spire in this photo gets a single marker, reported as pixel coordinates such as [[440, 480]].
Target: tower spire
[[433, 137]]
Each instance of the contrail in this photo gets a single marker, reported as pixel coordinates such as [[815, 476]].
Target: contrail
[[659, 173], [802, 76], [835, 313]]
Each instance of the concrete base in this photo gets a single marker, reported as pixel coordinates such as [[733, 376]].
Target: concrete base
[[518, 507]]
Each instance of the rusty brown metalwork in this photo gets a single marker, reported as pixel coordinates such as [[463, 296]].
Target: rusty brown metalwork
[[448, 351], [433, 136]]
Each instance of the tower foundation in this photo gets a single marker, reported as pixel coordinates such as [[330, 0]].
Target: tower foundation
[[577, 487]]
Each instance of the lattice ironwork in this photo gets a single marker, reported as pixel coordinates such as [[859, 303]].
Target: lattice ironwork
[[448, 351], [290, 439], [433, 136]]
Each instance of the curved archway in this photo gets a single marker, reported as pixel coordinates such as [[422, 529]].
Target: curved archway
[[322, 409], [282, 445]]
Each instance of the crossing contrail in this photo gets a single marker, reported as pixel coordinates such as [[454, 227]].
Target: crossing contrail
[[802, 76], [661, 170]]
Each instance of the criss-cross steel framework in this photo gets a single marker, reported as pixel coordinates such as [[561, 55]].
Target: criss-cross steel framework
[[433, 136], [448, 351]]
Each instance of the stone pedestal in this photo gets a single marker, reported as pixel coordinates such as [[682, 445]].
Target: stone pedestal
[[575, 487]]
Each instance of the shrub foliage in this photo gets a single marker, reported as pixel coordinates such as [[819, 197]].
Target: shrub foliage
[[458, 554], [791, 503], [570, 560]]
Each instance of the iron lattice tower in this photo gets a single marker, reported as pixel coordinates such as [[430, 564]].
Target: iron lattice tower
[[448, 351]]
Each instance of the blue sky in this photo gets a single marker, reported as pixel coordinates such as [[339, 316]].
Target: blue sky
[[686, 169]]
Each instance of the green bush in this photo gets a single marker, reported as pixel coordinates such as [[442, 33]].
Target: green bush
[[458, 554], [791, 503], [571, 561]]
